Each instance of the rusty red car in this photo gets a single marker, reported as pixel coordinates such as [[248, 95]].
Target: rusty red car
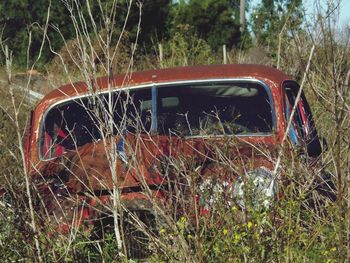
[[151, 118]]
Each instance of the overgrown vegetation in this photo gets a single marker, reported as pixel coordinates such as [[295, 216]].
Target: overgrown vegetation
[[293, 229]]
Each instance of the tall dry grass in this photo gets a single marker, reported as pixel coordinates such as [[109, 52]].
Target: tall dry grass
[[293, 229]]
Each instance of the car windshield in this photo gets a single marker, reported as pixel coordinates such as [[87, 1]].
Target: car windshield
[[200, 109]]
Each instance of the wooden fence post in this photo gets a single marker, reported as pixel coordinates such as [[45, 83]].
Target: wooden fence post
[[224, 54], [160, 47]]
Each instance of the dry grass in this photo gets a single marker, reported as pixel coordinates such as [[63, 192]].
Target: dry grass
[[294, 229]]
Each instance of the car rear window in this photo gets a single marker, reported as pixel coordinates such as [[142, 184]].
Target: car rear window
[[195, 109]]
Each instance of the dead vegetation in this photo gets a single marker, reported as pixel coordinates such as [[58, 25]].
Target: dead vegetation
[[291, 230]]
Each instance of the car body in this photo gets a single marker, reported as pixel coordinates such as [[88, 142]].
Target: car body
[[158, 116]]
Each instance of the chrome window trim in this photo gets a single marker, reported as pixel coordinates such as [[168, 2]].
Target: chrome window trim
[[227, 135], [162, 84]]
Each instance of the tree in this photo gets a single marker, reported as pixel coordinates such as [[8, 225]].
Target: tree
[[153, 21], [21, 24], [271, 16], [216, 21]]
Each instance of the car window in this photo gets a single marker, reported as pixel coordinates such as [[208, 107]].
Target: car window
[[302, 126], [214, 109], [84, 120], [201, 109]]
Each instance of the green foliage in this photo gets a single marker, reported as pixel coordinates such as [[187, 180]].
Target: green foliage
[[185, 48], [271, 16], [22, 24], [10, 160], [216, 22], [14, 228], [154, 19], [212, 20], [291, 230], [13, 246]]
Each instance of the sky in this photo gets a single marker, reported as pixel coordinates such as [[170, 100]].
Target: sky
[[344, 10]]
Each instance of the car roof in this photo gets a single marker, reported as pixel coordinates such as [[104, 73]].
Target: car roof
[[167, 75]]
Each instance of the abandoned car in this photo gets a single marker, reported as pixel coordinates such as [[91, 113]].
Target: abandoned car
[[128, 131]]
